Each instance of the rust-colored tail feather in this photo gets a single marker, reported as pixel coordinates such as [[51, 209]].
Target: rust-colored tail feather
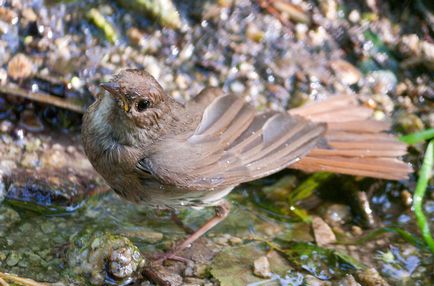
[[357, 145]]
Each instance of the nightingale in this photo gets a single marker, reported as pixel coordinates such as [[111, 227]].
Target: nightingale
[[156, 151]]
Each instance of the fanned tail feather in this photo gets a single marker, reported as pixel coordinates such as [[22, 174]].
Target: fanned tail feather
[[356, 144]]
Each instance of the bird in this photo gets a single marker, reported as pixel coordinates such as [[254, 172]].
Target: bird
[[154, 150]]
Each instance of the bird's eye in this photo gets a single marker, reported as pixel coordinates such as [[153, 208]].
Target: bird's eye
[[142, 105]]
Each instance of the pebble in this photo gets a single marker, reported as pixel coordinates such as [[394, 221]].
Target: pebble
[[370, 277], [30, 122], [337, 214], [13, 259], [322, 232], [382, 81], [20, 67], [193, 281], [406, 198], [348, 280], [356, 230], [237, 87], [8, 15], [3, 76], [235, 240], [29, 15], [135, 36], [147, 236], [346, 72], [354, 16], [30, 160], [261, 267], [313, 281], [6, 126]]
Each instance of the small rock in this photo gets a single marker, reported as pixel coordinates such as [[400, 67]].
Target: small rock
[[30, 160], [135, 36], [370, 277], [261, 267], [200, 270], [193, 281], [337, 214], [13, 259], [235, 240], [348, 280], [92, 253], [356, 230], [29, 14], [164, 276], [8, 15], [6, 126], [20, 67], [313, 281], [120, 265], [406, 198], [147, 236], [322, 232], [237, 87], [254, 33], [354, 16], [30, 122], [346, 72], [382, 81], [409, 122], [8, 216]]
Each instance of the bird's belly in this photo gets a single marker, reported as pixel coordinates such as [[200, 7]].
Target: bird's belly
[[151, 192]]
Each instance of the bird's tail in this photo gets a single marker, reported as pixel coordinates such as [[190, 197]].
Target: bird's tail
[[355, 143]]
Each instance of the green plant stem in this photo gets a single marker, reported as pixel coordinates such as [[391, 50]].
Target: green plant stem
[[98, 19], [418, 136], [422, 183]]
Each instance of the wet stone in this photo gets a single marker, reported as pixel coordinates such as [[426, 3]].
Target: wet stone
[[8, 216], [261, 267], [322, 232], [337, 214], [13, 259], [370, 277], [346, 72], [313, 281], [53, 190], [104, 255], [20, 67], [348, 280], [147, 236]]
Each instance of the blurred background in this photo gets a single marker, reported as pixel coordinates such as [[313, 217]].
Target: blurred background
[[59, 223]]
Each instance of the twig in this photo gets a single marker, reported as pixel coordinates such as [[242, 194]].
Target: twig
[[3, 283], [422, 183], [43, 98], [22, 281]]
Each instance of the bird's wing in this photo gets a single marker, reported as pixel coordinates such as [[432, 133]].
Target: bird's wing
[[233, 144]]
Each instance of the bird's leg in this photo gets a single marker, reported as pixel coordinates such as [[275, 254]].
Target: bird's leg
[[175, 218], [221, 212]]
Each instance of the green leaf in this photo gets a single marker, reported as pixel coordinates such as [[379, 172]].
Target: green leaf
[[305, 189], [422, 184], [418, 137]]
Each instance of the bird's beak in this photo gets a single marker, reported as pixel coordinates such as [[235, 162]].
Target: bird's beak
[[113, 88]]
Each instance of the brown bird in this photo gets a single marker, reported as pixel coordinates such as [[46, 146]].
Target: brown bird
[[153, 150]]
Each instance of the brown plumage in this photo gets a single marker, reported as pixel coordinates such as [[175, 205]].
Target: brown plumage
[[153, 150]]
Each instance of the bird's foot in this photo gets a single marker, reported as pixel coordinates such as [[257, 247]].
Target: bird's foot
[[159, 258]]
